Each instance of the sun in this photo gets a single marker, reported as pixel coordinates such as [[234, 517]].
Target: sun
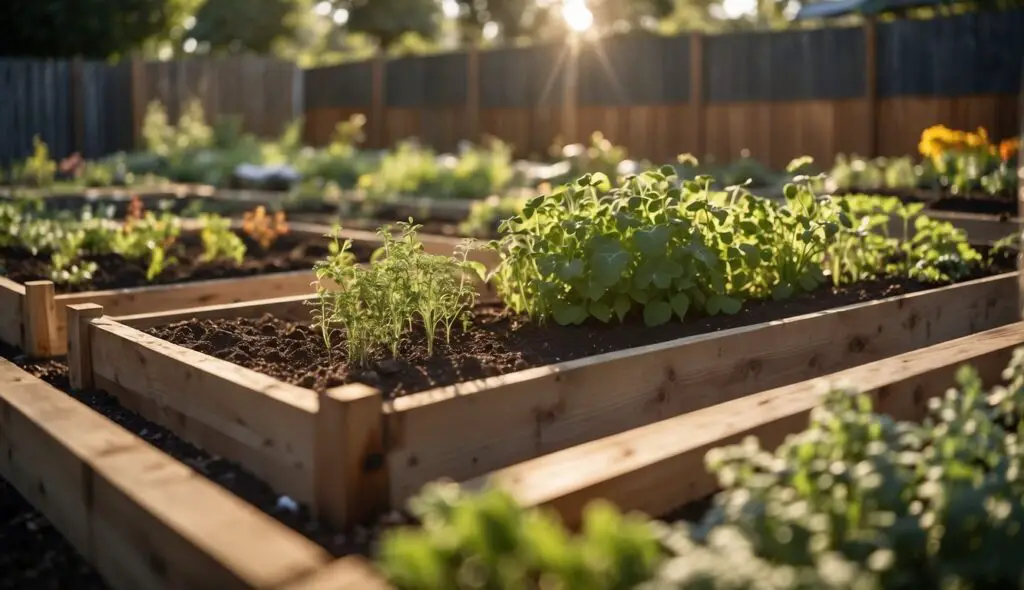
[[577, 15]]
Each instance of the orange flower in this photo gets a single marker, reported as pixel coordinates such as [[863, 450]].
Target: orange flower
[[1008, 148]]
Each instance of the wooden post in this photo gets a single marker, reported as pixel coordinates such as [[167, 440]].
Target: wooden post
[[138, 96], [473, 94], [350, 474], [378, 97], [40, 319], [79, 346], [871, 83], [697, 93]]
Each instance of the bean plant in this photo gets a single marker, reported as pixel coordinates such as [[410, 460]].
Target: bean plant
[[402, 290], [857, 500], [665, 248]]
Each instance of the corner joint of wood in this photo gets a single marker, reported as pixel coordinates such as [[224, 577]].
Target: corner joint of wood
[[79, 346]]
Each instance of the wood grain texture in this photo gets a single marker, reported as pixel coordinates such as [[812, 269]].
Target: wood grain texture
[[347, 573], [143, 519], [42, 336], [503, 420], [660, 467], [12, 296], [264, 424]]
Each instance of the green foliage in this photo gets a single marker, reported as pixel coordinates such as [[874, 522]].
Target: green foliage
[[413, 170], [935, 251], [387, 22], [38, 170], [219, 241], [341, 162], [857, 500], [241, 26], [149, 236], [663, 250], [487, 541], [91, 29], [745, 169], [487, 214], [600, 156], [404, 288]]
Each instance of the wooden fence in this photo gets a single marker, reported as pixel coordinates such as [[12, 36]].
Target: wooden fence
[[96, 108], [868, 90]]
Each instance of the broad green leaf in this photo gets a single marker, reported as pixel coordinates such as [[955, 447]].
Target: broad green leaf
[[591, 289], [478, 268], [748, 227], [726, 237], [622, 305], [608, 267], [570, 269], [657, 313], [723, 303], [600, 311], [808, 282], [600, 181], [752, 255], [783, 291], [567, 314], [680, 304], [652, 241], [639, 295]]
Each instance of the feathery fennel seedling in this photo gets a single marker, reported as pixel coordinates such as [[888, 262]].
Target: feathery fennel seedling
[[403, 288]]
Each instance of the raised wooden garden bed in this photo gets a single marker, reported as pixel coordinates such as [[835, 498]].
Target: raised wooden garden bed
[[350, 453], [142, 519], [659, 468], [32, 314]]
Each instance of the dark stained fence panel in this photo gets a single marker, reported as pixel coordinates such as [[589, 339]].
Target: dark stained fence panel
[[106, 109], [634, 70], [405, 81], [523, 77], [977, 53], [34, 100], [444, 80], [346, 85]]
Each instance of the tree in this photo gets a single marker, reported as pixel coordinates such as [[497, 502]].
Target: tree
[[387, 21], [96, 29], [528, 18], [236, 26]]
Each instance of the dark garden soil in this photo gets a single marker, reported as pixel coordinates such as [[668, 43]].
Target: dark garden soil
[[289, 252], [42, 552], [33, 554], [498, 342], [981, 203]]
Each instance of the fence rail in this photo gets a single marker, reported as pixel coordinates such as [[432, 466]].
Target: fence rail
[[868, 90]]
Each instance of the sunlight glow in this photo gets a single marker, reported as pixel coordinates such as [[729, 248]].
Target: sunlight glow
[[340, 16], [322, 8], [577, 15], [450, 8], [190, 45]]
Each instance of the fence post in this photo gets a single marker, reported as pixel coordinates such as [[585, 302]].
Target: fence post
[[871, 83], [473, 93], [697, 93], [377, 101]]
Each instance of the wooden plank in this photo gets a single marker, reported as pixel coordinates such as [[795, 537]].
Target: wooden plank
[[78, 345], [264, 424], [660, 467], [503, 420], [347, 573], [41, 336], [143, 519], [12, 296], [293, 308], [350, 479], [118, 302]]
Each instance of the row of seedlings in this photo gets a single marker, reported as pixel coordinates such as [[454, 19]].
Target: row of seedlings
[[150, 261], [356, 426]]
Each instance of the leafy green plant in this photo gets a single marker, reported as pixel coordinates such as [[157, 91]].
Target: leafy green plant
[[857, 500], [39, 169], [404, 288], [664, 250], [219, 241], [487, 541]]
